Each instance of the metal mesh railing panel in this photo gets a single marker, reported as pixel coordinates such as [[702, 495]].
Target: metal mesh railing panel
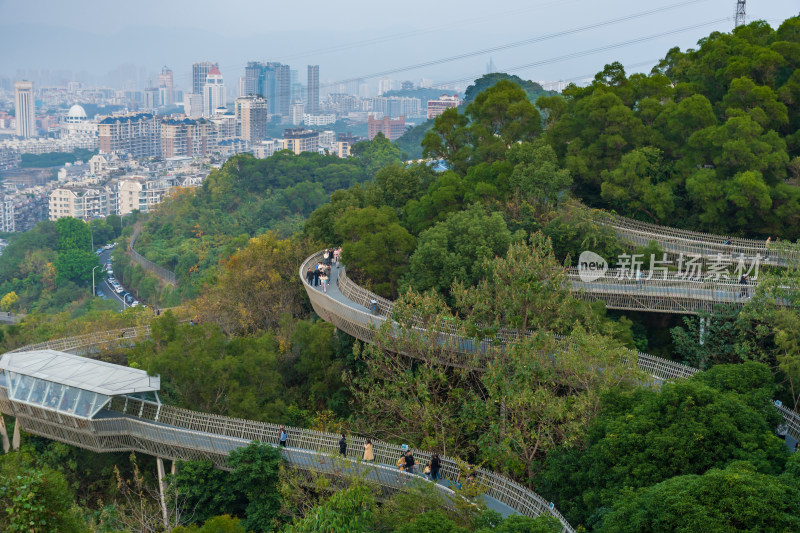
[[160, 272]]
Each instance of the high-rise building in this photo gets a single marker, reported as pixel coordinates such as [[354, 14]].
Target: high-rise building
[[213, 92], [391, 129], [193, 105], [137, 134], [187, 137], [273, 81], [437, 107], [151, 98], [280, 88], [254, 79], [384, 86], [297, 112], [24, 107], [252, 114], [166, 87], [199, 73], [312, 99]]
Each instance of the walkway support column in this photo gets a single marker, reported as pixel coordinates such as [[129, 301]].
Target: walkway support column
[[162, 496], [15, 439], [4, 434]]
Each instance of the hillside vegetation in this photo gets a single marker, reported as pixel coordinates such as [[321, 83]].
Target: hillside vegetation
[[705, 141]]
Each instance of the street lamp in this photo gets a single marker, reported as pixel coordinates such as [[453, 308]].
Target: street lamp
[[94, 293]]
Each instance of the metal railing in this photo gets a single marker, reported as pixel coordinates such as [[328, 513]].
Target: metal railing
[[708, 245], [160, 272], [90, 340]]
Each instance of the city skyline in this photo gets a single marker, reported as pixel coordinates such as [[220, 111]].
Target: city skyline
[[356, 44]]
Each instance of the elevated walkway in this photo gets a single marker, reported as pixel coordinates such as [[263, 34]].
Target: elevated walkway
[[122, 420]]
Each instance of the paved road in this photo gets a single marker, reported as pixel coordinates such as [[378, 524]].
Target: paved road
[[102, 284]]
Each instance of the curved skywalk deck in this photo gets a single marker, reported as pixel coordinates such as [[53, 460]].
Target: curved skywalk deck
[[347, 306], [707, 245]]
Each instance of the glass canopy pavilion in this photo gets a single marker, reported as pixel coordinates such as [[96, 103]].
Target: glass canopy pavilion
[[71, 384]]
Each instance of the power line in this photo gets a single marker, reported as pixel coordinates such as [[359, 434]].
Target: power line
[[595, 50], [516, 44]]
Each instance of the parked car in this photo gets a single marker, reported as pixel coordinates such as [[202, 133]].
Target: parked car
[[98, 251], [99, 293], [135, 303], [129, 298], [119, 289]]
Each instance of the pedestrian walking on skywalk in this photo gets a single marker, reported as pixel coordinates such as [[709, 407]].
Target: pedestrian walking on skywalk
[[369, 455], [324, 279], [316, 277], [410, 463], [343, 446], [743, 283], [282, 436], [436, 464]]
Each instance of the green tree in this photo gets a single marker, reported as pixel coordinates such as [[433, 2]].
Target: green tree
[[708, 421], [537, 178], [207, 491], [455, 250], [375, 154], [35, 498], [73, 234], [541, 393], [255, 474], [375, 247], [736, 498], [102, 231], [502, 112], [75, 265], [640, 183], [347, 511]]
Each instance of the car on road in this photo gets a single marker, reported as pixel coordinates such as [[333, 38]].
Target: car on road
[[99, 251], [110, 272], [100, 293], [129, 298]]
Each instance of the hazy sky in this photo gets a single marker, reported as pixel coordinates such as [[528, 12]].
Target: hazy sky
[[358, 38]]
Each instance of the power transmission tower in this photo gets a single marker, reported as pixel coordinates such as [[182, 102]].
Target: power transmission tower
[[741, 14]]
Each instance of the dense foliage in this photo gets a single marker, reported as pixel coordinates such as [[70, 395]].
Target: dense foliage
[[706, 141], [479, 251], [49, 268], [55, 159], [196, 229]]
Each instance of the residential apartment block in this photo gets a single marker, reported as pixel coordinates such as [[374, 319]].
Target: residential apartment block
[[138, 134], [391, 129]]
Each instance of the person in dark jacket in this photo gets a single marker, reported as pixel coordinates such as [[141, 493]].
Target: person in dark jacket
[[410, 462], [315, 274], [343, 445], [436, 464], [310, 277]]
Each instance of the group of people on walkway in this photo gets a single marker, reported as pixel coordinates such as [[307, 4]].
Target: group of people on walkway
[[406, 462], [320, 274]]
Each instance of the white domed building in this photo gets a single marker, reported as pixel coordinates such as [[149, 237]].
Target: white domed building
[[76, 123]]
